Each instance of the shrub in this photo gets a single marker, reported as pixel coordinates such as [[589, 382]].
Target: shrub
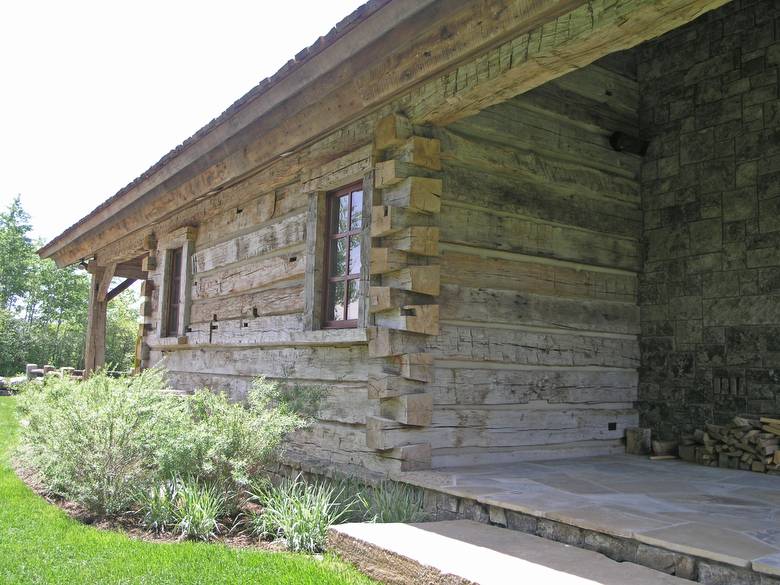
[[95, 442], [298, 512], [225, 443], [103, 441], [198, 509]]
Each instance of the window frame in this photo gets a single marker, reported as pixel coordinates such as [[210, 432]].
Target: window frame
[[329, 237], [183, 239], [173, 296]]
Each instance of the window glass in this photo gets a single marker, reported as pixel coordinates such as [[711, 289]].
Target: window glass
[[174, 293], [343, 257]]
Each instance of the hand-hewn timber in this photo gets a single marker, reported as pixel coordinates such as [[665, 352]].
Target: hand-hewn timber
[[443, 78], [499, 256]]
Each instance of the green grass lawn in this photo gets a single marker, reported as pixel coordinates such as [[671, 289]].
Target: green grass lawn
[[41, 544]]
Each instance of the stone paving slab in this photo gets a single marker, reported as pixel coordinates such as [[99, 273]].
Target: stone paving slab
[[723, 515], [466, 552]]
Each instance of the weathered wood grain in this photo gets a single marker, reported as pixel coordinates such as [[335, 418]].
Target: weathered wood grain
[[490, 427], [348, 364], [259, 272], [573, 386], [536, 166], [478, 267], [287, 231], [272, 301], [494, 229], [525, 346], [501, 306], [540, 200]]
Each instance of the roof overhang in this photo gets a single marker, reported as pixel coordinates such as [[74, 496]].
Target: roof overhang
[[385, 49], [348, 38]]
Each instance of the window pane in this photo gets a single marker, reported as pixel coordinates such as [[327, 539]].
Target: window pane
[[174, 292], [354, 255], [340, 215], [336, 301], [357, 210], [354, 294], [338, 257]]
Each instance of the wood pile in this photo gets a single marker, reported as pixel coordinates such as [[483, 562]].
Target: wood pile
[[745, 443]]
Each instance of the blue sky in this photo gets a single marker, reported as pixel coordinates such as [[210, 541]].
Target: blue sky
[[93, 93]]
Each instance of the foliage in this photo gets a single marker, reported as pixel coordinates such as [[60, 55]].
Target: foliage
[[103, 441], [16, 253], [298, 512], [41, 544], [225, 443], [198, 509], [392, 502], [96, 442], [301, 400], [158, 506], [43, 309]]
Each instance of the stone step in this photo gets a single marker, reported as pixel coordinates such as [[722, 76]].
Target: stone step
[[461, 552]]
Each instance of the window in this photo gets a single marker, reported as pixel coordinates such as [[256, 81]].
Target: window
[[342, 274], [173, 296]]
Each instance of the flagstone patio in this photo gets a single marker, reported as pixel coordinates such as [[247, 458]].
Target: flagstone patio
[[727, 516]]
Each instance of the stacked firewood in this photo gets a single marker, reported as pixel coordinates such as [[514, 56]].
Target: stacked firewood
[[744, 443]]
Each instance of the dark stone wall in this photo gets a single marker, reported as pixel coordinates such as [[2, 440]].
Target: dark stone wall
[[710, 292]]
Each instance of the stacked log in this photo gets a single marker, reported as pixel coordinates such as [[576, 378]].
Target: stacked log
[[745, 443]]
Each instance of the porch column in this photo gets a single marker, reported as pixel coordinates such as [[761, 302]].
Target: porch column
[[95, 347]]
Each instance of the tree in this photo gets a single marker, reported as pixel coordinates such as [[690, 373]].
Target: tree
[[43, 309], [16, 253]]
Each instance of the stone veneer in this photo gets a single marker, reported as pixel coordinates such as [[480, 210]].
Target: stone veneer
[[710, 292]]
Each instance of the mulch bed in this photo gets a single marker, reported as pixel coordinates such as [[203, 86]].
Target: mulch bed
[[128, 524]]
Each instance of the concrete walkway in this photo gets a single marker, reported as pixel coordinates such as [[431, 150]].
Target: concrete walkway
[[465, 552], [724, 515]]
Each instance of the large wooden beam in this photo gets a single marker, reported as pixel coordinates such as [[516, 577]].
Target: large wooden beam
[[492, 50], [550, 50], [120, 288], [95, 346], [106, 276]]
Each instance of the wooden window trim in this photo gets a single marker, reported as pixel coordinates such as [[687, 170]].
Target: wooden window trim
[[347, 235], [173, 296], [183, 239]]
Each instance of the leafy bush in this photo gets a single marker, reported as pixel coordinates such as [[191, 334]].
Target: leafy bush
[[96, 442], [103, 441], [198, 509], [298, 512], [223, 443]]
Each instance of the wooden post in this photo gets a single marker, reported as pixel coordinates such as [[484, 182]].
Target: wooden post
[[95, 347]]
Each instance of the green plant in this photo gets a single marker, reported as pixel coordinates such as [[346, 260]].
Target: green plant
[[158, 506], [393, 502], [303, 401], [103, 441], [39, 545], [198, 510], [96, 442], [298, 512], [224, 443]]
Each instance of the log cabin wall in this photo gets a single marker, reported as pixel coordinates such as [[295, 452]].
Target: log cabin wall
[[538, 255], [247, 312], [531, 279], [540, 225]]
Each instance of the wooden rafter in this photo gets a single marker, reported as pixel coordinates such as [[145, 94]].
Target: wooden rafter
[[118, 289]]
